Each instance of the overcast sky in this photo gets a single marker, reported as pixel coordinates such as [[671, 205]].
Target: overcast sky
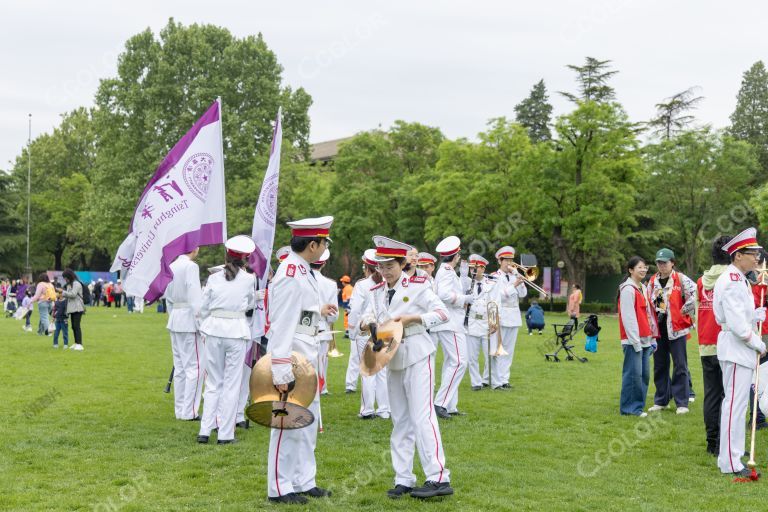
[[448, 64]]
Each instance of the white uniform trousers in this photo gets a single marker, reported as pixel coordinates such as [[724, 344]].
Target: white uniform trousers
[[322, 354], [414, 424], [737, 381], [291, 466], [374, 396], [224, 374], [353, 367], [245, 386], [188, 374], [475, 346], [501, 365], [454, 366]]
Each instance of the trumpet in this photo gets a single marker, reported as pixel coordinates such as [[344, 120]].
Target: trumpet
[[333, 351], [494, 325], [529, 275]]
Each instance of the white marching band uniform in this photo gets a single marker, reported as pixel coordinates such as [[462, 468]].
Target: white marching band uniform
[[507, 296], [374, 388], [184, 297], [477, 328], [737, 346], [450, 335], [257, 323], [294, 315], [227, 332], [411, 379], [329, 294]]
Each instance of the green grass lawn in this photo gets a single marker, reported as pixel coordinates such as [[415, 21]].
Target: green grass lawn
[[93, 430]]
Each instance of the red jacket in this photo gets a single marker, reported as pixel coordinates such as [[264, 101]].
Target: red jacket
[[708, 328], [757, 290]]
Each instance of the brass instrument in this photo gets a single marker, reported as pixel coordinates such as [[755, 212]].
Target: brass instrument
[[333, 351], [529, 275], [494, 326], [274, 409], [373, 361]]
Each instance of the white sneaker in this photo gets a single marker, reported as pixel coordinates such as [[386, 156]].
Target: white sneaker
[[383, 415], [655, 408], [55, 346], [691, 399], [682, 410], [643, 414], [77, 347]]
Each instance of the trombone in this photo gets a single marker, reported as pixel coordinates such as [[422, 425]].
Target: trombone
[[529, 275]]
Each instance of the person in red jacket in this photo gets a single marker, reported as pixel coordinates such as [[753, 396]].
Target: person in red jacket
[[708, 331], [760, 292]]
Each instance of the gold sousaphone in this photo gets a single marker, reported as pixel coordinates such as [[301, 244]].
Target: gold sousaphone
[[391, 335], [288, 410]]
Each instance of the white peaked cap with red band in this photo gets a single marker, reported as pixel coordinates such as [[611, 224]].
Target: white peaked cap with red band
[[505, 252], [425, 259], [324, 257], [747, 239], [388, 249], [283, 252], [311, 228], [369, 257], [476, 259], [449, 246], [240, 246]]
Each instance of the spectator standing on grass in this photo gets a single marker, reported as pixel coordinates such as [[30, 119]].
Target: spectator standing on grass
[[73, 292], [27, 303], [60, 320], [44, 295], [98, 289], [638, 332], [574, 304], [673, 296], [712, 375], [117, 293]]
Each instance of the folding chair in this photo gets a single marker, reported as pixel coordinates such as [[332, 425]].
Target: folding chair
[[565, 334]]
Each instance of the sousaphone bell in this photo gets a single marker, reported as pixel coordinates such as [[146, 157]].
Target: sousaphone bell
[[381, 347], [288, 410]]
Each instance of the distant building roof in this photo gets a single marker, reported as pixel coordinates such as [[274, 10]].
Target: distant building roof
[[326, 151]]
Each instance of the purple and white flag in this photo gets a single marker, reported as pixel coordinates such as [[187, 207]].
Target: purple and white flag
[[182, 207], [265, 216]]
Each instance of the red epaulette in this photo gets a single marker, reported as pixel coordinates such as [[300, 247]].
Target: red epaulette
[[418, 279], [290, 270], [735, 276], [378, 286]]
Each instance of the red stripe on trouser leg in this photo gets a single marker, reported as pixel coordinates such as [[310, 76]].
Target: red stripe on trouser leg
[[730, 418], [434, 432], [458, 364]]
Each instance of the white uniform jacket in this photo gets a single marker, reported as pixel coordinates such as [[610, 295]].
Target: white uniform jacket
[[224, 306], [329, 294], [412, 296], [478, 312], [508, 296], [450, 292], [734, 307], [184, 295], [294, 315]]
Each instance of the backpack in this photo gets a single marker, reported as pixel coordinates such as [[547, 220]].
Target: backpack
[[86, 293], [590, 326]]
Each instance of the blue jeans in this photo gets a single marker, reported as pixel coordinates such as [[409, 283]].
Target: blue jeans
[[129, 303], [634, 379], [61, 327], [44, 308]]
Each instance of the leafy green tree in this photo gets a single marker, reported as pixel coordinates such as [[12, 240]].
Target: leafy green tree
[[699, 176], [749, 120], [671, 115], [535, 113], [11, 226], [592, 81]]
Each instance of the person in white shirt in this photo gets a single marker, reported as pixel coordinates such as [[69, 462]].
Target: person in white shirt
[[328, 295], [226, 297]]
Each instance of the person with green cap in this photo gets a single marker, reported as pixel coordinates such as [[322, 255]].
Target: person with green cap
[[673, 296]]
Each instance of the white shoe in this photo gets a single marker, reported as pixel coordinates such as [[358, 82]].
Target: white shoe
[[77, 347], [643, 414], [655, 408], [691, 399], [55, 346], [383, 415], [682, 410]]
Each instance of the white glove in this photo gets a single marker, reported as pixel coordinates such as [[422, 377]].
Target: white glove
[[468, 299], [759, 315], [463, 269], [260, 294], [756, 343]]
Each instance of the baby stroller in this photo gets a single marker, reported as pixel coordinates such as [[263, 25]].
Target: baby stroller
[[10, 306], [565, 334]]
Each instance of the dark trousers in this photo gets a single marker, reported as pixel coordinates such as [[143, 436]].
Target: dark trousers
[[713, 400], [75, 321], [118, 300], [677, 386]]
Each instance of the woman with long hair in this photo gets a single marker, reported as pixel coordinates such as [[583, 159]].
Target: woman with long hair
[[638, 330], [73, 292], [44, 296]]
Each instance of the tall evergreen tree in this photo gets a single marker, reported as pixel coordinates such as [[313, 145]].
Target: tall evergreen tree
[[535, 113], [592, 79], [749, 120], [671, 117]]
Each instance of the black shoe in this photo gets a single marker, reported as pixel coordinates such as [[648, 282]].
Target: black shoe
[[761, 426], [506, 386], [486, 385], [226, 441], [457, 413], [196, 418], [242, 424], [442, 412], [349, 391], [432, 489], [745, 473], [316, 492], [202, 439], [290, 499], [477, 388], [399, 491], [367, 416]]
